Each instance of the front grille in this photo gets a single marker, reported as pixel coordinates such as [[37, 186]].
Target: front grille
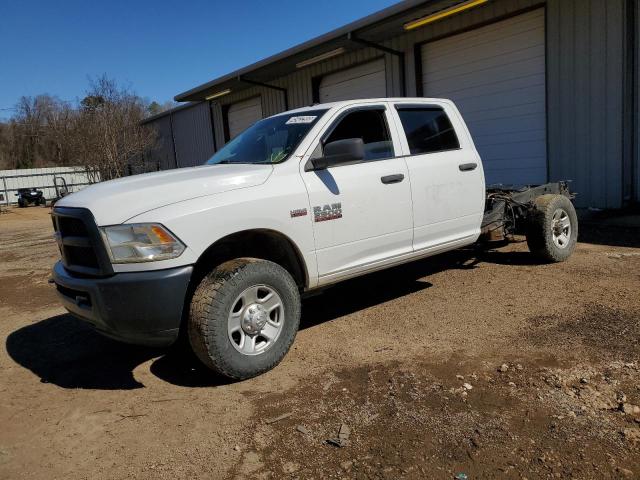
[[72, 226], [84, 256], [79, 240]]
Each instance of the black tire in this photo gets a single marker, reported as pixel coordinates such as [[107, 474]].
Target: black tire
[[209, 316], [540, 231], [22, 203]]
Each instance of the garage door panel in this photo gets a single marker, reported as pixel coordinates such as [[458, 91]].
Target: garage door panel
[[496, 117], [505, 175], [507, 101], [242, 115], [483, 71], [493, 87], [353, 73], [527, 123], [369, 87], [511, 38], [499, 150], [504, 165], [496, 76], [481, 38], [493, 54], [517, 137], [363, 81]]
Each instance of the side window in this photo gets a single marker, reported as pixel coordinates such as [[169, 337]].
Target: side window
[[371, 126], [428, 129]]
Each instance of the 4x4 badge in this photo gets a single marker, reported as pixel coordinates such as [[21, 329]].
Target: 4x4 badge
[[327, 212], [299, 212]]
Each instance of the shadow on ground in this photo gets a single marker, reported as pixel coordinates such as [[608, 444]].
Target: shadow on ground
[[71, 354], [612, 235], [68, 353]]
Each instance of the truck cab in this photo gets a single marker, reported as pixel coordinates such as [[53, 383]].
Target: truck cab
[[298, 201]]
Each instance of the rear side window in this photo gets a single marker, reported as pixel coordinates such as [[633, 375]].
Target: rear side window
[[428, 129], [371, 126]]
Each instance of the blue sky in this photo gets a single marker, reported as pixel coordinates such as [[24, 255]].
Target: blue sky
[[159, 48]]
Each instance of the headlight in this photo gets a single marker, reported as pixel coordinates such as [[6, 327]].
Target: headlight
[[142, 242]]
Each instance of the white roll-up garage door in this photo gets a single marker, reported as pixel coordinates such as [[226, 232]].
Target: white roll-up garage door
[[242, 115], [364, 81], [496, 76]]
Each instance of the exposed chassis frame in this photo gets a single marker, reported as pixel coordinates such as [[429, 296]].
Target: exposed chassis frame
[[507, 208]]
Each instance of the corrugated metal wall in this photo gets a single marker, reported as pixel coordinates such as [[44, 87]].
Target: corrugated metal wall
[[193, 135], [185, 138], [163, 156], [636, 87], [585, 97]]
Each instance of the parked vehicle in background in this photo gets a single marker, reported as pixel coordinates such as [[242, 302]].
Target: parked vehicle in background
[[297, 202], [30, 196]]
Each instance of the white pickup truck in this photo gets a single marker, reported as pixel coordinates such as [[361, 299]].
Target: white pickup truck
[[300, 200]]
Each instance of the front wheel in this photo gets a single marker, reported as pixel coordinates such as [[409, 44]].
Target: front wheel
[[244, 317], [553, 228]]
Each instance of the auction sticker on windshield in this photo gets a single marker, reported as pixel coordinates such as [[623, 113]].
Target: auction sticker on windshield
[[301, 119]]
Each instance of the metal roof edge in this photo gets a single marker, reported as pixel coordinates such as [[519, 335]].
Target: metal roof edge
[[168, 112]]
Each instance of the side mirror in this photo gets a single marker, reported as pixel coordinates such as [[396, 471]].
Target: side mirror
[[340, 152]]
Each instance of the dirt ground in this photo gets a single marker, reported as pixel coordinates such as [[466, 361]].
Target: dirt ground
[[484, 364]]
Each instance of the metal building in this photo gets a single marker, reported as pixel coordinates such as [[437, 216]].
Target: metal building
[[185, 137], [548, 87]]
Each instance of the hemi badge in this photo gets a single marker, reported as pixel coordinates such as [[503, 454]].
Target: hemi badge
[[300, 212]]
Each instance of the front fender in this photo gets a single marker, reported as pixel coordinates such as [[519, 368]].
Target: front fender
[[199, 223]]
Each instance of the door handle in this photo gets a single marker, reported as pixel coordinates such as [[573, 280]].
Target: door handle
[[397, 178], [467, 167]]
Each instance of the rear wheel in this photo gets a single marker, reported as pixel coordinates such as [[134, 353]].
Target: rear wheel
[[244, 317], [553, 228]]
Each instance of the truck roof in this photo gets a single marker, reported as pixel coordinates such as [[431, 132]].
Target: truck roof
[[362, 100]]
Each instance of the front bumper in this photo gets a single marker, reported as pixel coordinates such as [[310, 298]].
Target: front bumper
[[144, 308]]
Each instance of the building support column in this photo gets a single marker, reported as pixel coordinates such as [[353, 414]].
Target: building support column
[[635, 5], [173, 141], [630, 112]]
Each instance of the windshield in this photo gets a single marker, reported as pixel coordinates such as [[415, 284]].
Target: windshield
[[271, 140]]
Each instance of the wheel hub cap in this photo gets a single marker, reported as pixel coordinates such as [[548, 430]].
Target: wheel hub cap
[[254, 319], [561, 228]]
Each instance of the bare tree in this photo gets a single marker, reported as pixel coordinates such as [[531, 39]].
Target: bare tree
[[111, 138], [102, 133]]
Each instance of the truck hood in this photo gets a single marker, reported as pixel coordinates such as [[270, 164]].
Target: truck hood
[[116, 201]]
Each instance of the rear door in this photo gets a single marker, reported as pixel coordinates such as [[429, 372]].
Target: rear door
[[447, 181], [361, 211]]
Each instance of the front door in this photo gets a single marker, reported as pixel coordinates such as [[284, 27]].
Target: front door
[[361, 211]]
